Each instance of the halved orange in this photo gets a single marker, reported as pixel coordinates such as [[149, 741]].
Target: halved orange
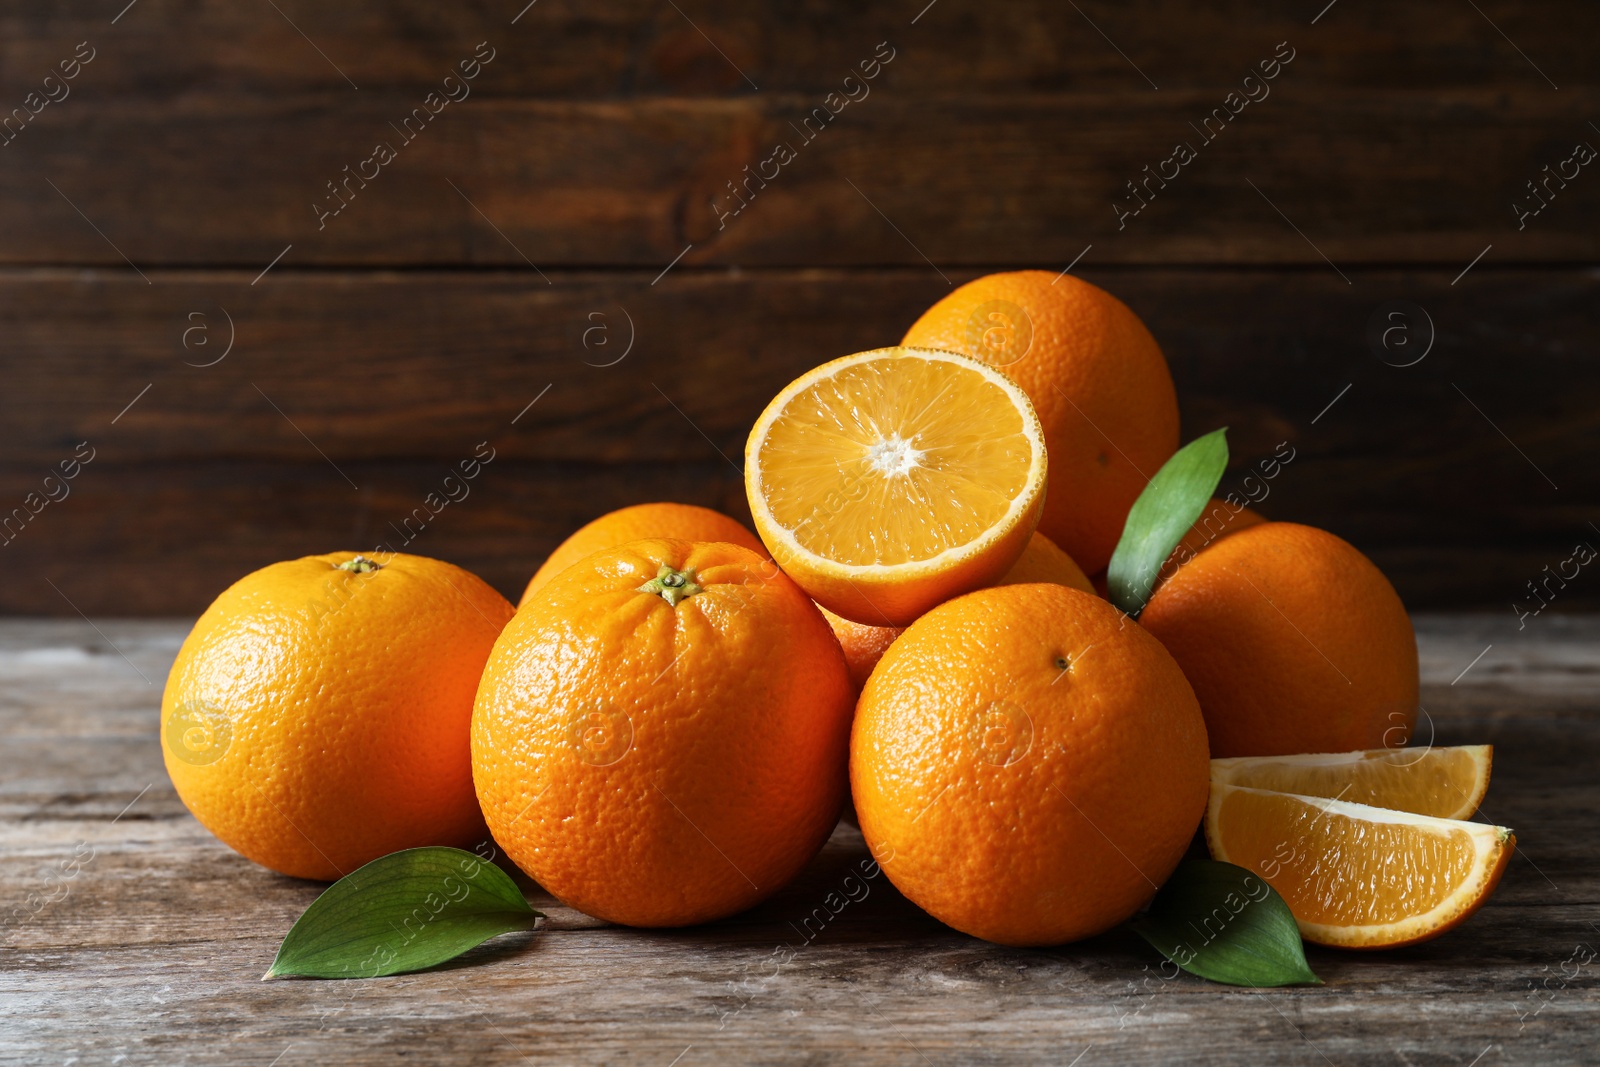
[[1446, 783], [889, 481], [1356, 876]]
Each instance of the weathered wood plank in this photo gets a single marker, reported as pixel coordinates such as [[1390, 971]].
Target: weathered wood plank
[[153, 949], [959, 179], [163, 536], [397, 378], [385, 366], [638, 48]]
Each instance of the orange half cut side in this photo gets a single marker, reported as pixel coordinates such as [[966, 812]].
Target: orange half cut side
[[889, 481]]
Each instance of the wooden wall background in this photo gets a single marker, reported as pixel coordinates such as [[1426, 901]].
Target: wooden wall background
[[482, 268]]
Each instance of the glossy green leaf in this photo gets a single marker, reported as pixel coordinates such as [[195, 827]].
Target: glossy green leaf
[[1224, 923], [403, 912], [1166, 509]]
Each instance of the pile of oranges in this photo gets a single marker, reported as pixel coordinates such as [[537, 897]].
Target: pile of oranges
[[668, 726]]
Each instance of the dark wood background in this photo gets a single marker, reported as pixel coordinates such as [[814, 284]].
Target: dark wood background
[[459, 284]]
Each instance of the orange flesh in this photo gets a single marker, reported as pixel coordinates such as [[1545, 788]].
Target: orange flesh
[[1446, 783], [895, 461], [1340, 871]]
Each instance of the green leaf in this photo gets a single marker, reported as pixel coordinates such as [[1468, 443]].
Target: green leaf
[[1224, 923], [402, 912], [1166, 509]]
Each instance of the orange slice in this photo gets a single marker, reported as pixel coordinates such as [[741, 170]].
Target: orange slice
[[1446, 783], [1356, 876], [889, 481]]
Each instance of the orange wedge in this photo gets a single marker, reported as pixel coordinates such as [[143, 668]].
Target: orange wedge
[[1356, 876], [1446, 783], [889, 481]]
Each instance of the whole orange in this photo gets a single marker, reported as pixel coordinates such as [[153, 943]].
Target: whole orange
[[317, 715], [660, 736], [1097, 379], [686, 522], [1041, 561], [1293, 641], [1027, 764]]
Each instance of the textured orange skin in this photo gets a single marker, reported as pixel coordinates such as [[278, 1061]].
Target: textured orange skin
[[1041, 561], [1328, 665], [348, 698], [1099, 383], [1042, 843], [863, 645], [720, 768], [686, 522]]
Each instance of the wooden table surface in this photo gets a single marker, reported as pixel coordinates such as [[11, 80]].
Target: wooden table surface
[[128, 935]]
